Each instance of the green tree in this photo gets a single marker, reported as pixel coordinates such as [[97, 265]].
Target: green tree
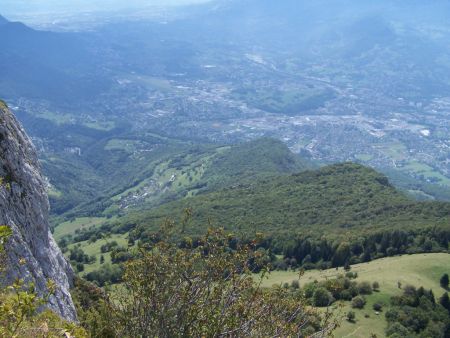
[[295, 284], [347, 266], [397, 330], [376, 286], [445, 301], [358, 302], [351, 316], [377, 307], [365, 288], [342, 254], [322, 297], [80, 267], [444, 281]]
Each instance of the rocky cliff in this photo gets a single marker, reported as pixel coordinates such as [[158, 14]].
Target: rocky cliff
[[32, 252]]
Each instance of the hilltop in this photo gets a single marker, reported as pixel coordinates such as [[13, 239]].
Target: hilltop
[[330, 200], [321, 218], [247, 161]]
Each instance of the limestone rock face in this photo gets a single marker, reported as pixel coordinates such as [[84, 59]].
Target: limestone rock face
[[33, 254]]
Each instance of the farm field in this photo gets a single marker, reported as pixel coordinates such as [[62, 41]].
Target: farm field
[[70, 227], [417, 270], [427, 172]]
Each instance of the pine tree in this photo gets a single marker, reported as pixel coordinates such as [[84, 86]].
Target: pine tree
[[445, 301], [347, 266], [444, 281]]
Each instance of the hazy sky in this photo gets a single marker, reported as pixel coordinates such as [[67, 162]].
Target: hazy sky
[[15, 7]]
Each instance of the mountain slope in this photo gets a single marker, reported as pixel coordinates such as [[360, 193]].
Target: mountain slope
[[46, 65], [32, 252], [150, 173], [331, 200]]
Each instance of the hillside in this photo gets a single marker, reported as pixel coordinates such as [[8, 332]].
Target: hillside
[[328, 217], [47, 65], [147, 172], [417, 270], [333, 199]]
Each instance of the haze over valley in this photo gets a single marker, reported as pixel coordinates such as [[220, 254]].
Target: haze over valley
[[316, 81], [322, 128]]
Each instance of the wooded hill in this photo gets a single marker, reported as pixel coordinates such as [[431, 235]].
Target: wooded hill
[[332, 200], [315, 218]]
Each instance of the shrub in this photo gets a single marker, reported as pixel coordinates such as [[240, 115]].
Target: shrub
[[309, 289], [347, 266], [106, 274], [358, 302], [21, 308], [391, 251], [364, 288], [351, 316], [377, 307], [445, 301], [280, 265], [108, 246], [351, 275], [172, 291], [392, 315], [397, 330], [295, 284], [322, 297], [346, 295], [353, 291], [409, 290], [80, 267], [375, 286]]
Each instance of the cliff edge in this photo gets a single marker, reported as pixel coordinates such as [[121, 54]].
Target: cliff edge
[[33, 254]]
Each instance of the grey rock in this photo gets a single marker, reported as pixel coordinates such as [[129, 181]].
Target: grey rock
[[33, 254]]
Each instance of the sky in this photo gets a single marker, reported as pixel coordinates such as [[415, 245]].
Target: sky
[[16, 7]]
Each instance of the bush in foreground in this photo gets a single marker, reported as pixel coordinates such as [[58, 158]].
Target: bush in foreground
[[21, 308], [204, 290]]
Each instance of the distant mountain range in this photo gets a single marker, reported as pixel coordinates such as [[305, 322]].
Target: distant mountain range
[[45, 65], [338, 80], [3, 20]]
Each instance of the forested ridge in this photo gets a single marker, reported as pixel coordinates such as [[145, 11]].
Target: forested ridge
[[332, 200], [333, 216]]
